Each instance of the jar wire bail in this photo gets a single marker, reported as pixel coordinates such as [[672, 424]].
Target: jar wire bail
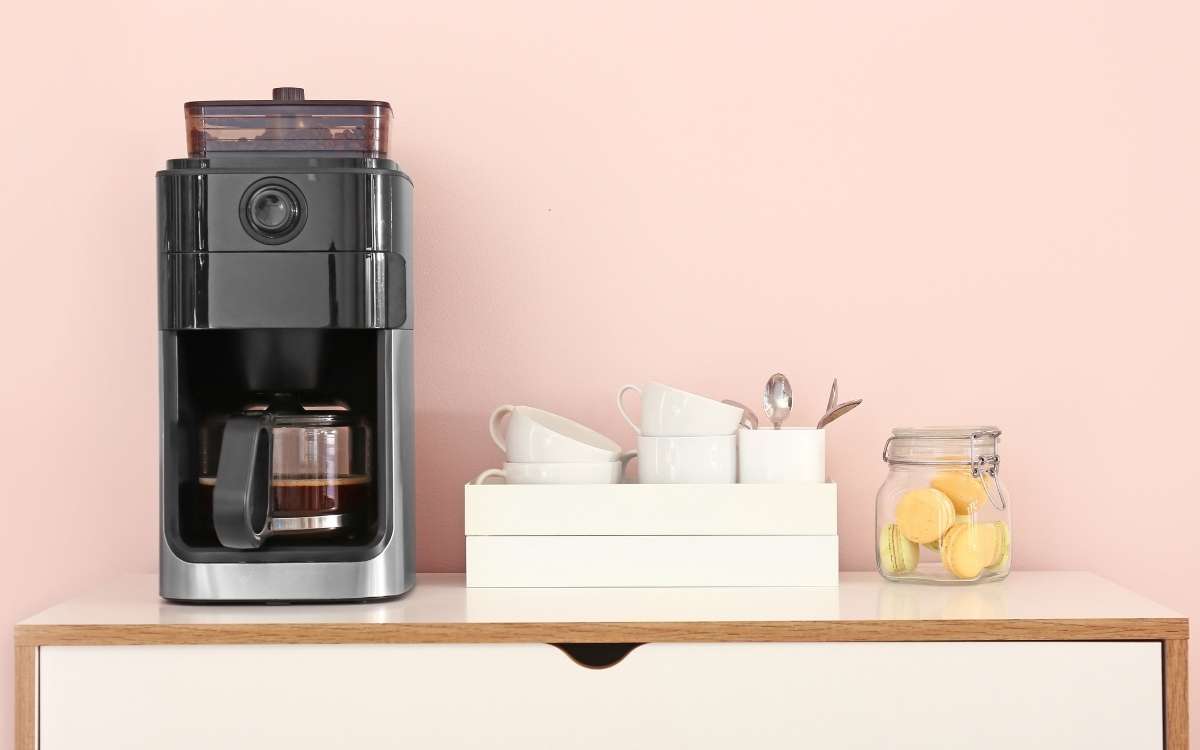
[[982, 467]]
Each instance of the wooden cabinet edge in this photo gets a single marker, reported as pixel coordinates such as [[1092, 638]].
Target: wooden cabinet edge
[[1175, 694], [1160, 629], [25, 697]]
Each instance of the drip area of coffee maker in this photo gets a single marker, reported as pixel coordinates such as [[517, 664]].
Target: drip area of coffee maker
[[285, 355], [293, 468]]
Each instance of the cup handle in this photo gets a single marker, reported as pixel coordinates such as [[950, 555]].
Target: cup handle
[[241, 499], [494, 425], [625, 458], [749, 419], [621, 406], [488, 475]]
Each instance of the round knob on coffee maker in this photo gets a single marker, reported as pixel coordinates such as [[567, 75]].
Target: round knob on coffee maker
[[287, 94]]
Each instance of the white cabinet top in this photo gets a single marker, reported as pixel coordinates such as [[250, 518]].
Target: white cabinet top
[[1026, 606]]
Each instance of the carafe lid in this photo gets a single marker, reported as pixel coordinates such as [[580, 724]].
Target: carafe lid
[[288, 123], [287, 410]]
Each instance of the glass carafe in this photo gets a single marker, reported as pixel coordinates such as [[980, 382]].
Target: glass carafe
[[286, 470]]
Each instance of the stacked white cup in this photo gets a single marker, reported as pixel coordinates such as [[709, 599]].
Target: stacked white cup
[[684, 437], [543, 448]]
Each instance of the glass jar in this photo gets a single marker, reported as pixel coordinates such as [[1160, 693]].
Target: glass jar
[[942, 515]]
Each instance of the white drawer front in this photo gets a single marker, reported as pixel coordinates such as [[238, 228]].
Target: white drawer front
[[766, 695]]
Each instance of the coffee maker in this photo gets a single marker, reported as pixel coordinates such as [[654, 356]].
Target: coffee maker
[[286, 325]]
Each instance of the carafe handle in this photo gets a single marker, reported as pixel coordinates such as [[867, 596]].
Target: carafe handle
[[241, 498]]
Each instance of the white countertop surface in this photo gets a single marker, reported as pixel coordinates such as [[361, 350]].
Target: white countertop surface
[[442, 598]]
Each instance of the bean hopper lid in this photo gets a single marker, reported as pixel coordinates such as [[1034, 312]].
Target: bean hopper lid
[[288, 122]]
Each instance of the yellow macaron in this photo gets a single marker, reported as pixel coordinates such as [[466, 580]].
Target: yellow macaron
[[936, 544], [896, 554], [1003, 554], [965, 491], [967, 548], [923, 515]]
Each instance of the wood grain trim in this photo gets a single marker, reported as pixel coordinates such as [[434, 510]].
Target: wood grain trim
[[608, 632], [25, 694], [1175, 694]]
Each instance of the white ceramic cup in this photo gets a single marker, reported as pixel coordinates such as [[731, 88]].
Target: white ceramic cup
[[790, 454], [592, 472], [703, 459], [670, 412], [537, 436]]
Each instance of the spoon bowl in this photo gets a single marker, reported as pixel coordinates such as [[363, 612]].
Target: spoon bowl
[[837, 411], [777, 399]]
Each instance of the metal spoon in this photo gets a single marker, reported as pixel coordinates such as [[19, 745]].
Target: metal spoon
[[777, 399], [837, 411], [833, 394]]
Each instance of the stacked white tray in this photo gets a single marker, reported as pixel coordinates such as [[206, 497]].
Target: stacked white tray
[[651, 535]]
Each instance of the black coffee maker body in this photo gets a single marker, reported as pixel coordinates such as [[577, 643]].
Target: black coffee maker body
[[286, 354]]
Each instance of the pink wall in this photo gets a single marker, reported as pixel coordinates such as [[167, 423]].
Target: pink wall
[[966, 211]]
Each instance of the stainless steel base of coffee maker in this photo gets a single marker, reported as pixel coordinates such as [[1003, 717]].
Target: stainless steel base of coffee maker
[[382, 577]]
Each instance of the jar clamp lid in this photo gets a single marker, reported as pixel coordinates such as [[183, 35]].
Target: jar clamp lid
[[941, 446], [973, 447]]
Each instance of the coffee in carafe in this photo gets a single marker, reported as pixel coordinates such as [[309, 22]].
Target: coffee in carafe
[[296, 498]]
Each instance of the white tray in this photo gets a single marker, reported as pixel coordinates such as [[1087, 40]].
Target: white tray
[[805, 509], [719, 560]]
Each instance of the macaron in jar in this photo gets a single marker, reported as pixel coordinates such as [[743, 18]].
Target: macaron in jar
[[943, 515]]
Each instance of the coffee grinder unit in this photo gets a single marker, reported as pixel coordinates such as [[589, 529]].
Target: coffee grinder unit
[[285, 317]]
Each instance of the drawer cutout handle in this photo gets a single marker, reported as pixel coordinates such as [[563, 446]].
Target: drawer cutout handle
[[596, 655]]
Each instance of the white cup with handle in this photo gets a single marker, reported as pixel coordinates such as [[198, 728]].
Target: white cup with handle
[[672, 412], [538, 436], [577, 472], [694, 459]]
